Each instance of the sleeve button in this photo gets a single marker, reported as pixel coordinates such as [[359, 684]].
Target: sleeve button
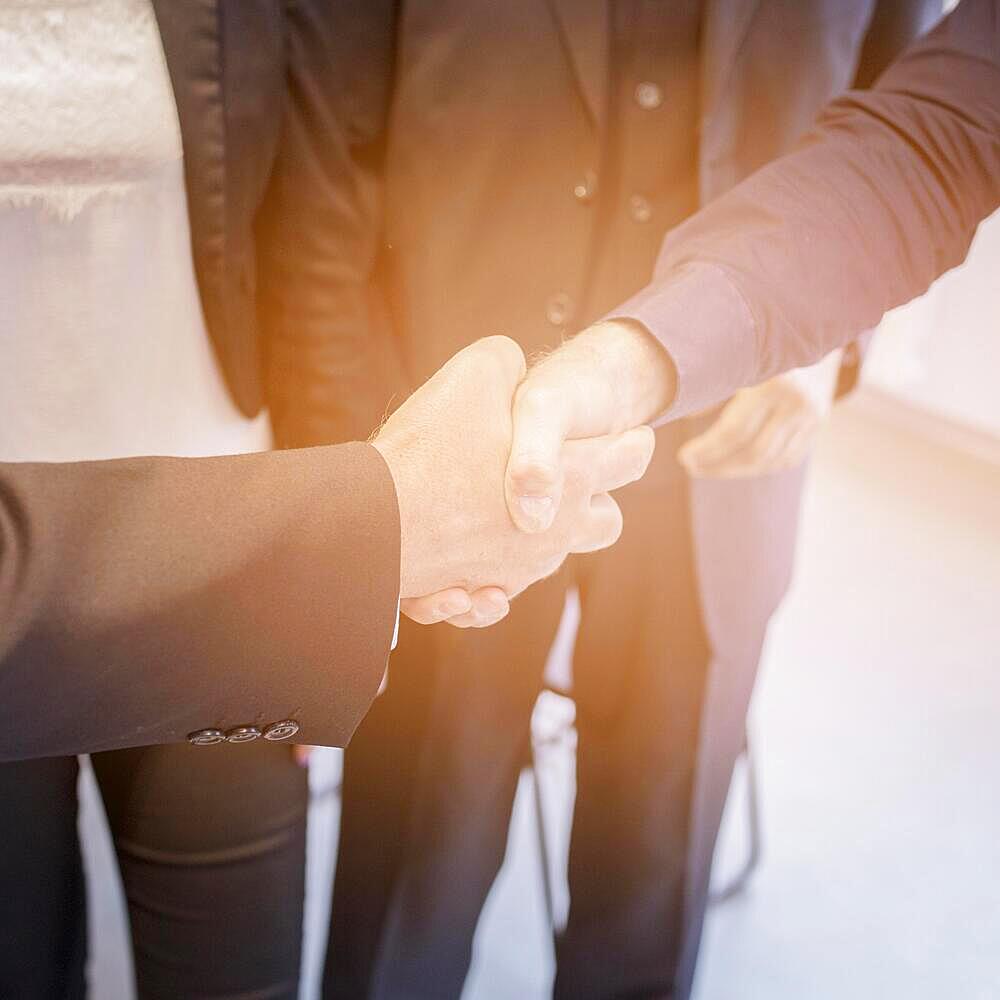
[[206, 737], [281, 730], [242, 734]]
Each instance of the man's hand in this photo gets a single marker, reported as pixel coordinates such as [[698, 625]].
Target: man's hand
[[766, 428], [611, 377], [447, 448]]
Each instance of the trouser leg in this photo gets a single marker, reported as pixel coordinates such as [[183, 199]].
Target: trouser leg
[[639, 673], [211, 844], [458, 787], [43, 940], [380, 770]]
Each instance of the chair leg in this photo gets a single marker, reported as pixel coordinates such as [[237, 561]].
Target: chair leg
[[741, 880], [544, 855]]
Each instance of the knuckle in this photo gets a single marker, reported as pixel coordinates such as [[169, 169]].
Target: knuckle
[[551, 566], [616, 524], [529, 474], [577, 480], [536, 397], [420, 615], [485, 620], [639, 463], [649, 440], [507, 353]]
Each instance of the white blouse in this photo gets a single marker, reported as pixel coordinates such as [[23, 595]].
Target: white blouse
[[103, 347]]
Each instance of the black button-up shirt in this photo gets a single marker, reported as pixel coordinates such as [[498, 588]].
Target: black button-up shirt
[[648, 177]]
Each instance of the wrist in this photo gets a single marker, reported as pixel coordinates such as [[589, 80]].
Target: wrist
[[395, 467], [635, 359]]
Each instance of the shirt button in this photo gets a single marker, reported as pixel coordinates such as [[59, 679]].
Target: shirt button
[[648, 96], [586, 188], [206, 737], [281, 730], [639, 208], [242, 734], [557, 309]]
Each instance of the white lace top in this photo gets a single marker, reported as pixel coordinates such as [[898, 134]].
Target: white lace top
[[103, 348]]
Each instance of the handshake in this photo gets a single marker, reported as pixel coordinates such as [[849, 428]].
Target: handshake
[[501, 472]]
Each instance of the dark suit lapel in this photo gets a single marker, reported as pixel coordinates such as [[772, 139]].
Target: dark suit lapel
[[583, 25], [190, 32]]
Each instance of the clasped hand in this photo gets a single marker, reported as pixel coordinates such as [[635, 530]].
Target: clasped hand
[[475, 439]]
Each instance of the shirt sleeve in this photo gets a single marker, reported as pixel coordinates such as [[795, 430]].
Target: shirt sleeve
[[880, 199]]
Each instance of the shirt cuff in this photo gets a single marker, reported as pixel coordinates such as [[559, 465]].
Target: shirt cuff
[[708, 330], [395, 640]]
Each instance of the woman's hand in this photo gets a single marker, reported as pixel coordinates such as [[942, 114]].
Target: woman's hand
[[766, 428]]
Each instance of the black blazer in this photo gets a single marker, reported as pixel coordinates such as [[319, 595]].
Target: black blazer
[[144, 600], [281, 128]]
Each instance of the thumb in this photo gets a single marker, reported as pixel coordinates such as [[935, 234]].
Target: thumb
[[534, 481]]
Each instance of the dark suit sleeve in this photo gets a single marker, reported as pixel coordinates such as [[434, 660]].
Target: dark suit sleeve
[[319, 229], [881, 198], [144, 599]]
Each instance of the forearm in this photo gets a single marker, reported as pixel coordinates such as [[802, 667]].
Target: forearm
[[883, 197], [149, 598]]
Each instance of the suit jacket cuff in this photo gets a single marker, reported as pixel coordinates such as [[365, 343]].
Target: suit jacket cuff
[[364, 567]]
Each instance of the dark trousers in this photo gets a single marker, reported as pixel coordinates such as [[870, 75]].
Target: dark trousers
[[211, 844], [431, 775]]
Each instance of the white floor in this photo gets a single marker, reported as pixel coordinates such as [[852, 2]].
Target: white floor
[[878, 740]]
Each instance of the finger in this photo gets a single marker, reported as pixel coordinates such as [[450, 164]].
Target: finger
[[502, 353], [773, 454], [732, 433], [534, 481], [765, 453], [437, 607], [611, 462], [801, 444], [489, 605], [601, 527], [793, 440]]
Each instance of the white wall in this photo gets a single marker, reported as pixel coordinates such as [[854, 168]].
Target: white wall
[[941, 353]]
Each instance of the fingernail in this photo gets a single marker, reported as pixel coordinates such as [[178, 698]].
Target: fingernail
[[537, 509], [455, 607]]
